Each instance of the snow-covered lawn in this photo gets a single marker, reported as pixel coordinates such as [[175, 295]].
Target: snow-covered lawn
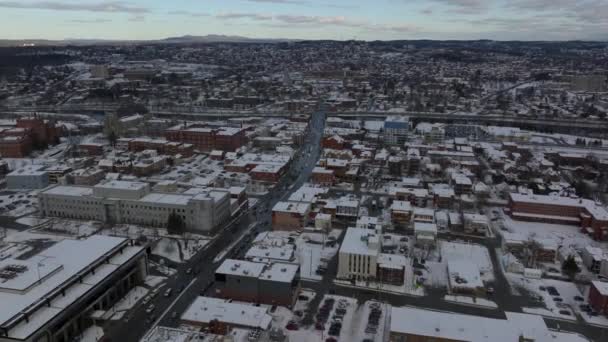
[[170, 248], [29, 235], [471, 301], [469, 252]]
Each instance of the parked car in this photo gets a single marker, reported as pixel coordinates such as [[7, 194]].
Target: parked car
[[150, 309]]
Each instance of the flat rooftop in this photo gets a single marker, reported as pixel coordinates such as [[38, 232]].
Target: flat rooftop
[[59, 264], [241, 268], [69, 190], [356, 242], [292, 207], [207, 309]]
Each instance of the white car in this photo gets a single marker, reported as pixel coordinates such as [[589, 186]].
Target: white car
[[150, 308]]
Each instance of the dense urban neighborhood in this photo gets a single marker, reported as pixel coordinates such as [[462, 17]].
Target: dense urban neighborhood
[[302, 191]]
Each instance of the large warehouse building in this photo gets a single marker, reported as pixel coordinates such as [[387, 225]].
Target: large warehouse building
[[50, 296], [134, 203]]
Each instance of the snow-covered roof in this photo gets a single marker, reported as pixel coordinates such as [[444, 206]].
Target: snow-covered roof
[[292, 207], [360, 241], [459, 327], [280, 272], [601, 287], [241, 268], [401, 206], [70, 190], [464, 274], [207, 309], [59, 266], [423, 227]]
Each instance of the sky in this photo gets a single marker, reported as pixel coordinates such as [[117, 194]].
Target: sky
[[306, 19]]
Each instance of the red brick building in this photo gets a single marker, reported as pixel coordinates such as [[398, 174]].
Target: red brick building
[[15, 146], [598, 297], [90, 149], [227, 139], [585, 213], [323, 176], [42, 132], [290, 215], [335, 142], [266, 173]]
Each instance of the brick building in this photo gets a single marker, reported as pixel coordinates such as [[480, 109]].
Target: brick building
[[323, 176], [42, 132], [585, 213], [290, 215], [15, 146], [598, 297], [227, 139]]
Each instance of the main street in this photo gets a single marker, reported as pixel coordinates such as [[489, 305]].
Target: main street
[[186, 287]]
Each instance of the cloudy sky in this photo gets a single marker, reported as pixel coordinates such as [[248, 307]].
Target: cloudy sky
[[307, 19]]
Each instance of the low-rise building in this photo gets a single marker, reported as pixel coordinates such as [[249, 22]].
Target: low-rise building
[[290, 215], [132, 202], [477, 224], [274, 283], [28, 177], [221, 315], [358, 255], [426, 233], [598, 297]]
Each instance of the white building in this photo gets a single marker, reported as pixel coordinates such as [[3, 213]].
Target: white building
[[51, 295], [132, 202], [426, 233], [592, 258], [28, 177], [236, 315], [358, 255]]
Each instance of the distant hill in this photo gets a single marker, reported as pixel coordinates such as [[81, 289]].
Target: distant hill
[[187, 39]]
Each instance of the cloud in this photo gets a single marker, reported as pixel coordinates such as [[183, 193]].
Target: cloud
[[464, 6], [90, 21], [252, 16], [316, 21], [137, 18], [190, 14], [102, 6], [297, 2]]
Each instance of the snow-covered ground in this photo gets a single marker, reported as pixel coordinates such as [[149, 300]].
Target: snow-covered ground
[[563, 235], [130, 299], [170, 248], [29, 235], [311, 253], [471, 301], [32, 220], [567, 291], [93, 333], [154, 281], [18, 203], [73, 228]]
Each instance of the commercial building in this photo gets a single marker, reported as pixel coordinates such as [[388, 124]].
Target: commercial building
[[15, 146], [133, 202], [585, 213], [598, 297], [274, 283], [28, 177], [396, 129], [419, 325], [227, 139], [221, 315], [290, 215], [51, 295]]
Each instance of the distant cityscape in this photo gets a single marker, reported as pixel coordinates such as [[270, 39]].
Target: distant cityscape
[[228, 189]]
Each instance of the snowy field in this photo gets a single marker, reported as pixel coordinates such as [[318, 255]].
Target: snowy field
[[71, 228]]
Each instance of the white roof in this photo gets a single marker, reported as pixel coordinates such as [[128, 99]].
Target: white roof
[[241, 268], [464, 274], [423, 227], [162, 198], [69, 190], [459, 327], [292, 207], [60, 264], [207, 309], [401, 206], [601, 287], [119, 184], [280, 272], [356, 242]]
